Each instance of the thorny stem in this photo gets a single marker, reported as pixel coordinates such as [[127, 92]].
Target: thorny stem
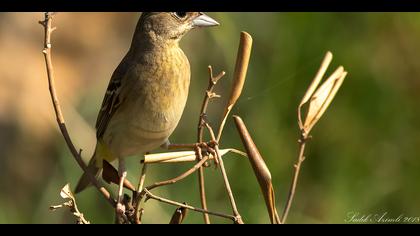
[[151, 196], [209, 94], [225, 178], [301, 158], [47, 23]]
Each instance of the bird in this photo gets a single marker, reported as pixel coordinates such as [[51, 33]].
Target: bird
[[147, 92]]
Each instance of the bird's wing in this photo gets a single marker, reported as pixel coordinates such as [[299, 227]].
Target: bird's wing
[[113, 96]]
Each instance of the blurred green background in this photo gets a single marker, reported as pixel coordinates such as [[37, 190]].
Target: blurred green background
[[363, 156]]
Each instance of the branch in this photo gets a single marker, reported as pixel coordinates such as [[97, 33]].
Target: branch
[[168, 182], [71, 204], [297, 166], [202, 189], [56, 104], [164, 200], [319, 98], [207, 97], [209, 94], [180, 177], [142, 178], [225, 178]]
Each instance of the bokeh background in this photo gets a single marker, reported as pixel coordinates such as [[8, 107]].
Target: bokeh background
[[363, 156]]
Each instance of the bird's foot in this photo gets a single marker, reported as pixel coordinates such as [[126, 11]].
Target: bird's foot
[[120, 214], [191, 146], [205, 148], [208, 149], [120, 207]]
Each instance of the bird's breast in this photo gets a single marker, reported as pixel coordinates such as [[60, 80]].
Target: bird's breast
[[162, 91]]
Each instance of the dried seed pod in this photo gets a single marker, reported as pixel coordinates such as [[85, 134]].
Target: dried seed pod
[[320, 97], [179, 215], [261, 170], [241, 68]]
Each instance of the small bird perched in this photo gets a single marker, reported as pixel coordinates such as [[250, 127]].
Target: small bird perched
[[147, 92]]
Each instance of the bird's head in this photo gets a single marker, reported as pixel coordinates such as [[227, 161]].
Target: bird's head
[[172, 25]]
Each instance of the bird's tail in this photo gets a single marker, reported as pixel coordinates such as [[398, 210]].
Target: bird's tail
[[84, 181]]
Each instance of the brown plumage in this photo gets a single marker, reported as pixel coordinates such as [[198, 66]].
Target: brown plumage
[[148, 90]]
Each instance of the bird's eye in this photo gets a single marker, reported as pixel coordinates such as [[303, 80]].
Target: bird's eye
[[181, 15]]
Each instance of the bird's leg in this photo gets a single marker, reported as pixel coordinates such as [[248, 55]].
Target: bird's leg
[[122, 172], [191, 146]]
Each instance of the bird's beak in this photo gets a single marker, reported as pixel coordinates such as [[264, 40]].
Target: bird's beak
[[204, 20]]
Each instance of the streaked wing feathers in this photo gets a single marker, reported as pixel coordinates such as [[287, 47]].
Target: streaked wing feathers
[[113, 98]]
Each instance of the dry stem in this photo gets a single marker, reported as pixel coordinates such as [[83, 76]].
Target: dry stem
[[164, 200], [142, 178], [180, 177], [71, 204], [225, 178], [168, 182], [56, 104], [302, 142], [209, 94]]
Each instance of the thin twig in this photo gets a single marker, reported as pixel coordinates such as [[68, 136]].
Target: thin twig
[[202, 190], [209, 94], [164, 200], [71, 204], [225, 178], [142, 178], [297, 166], [207, 97], [168, 182], [56, 104], [139, 216], [136, 200], [180, 177]]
